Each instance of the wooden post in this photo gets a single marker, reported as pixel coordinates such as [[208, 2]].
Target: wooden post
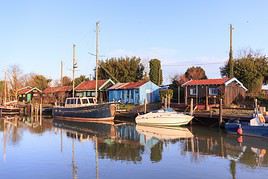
[[40, 109], [185, 100], [196, 96], [41, 106], [31, 109], [220, 113], [192, 107], [256, 105], [179, 95], [145, 105], [206, 98], [169, 98], [166, 102]]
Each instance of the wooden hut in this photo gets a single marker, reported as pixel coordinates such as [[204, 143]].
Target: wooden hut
[[29, 94], [87, 89], [209, 91], [57, 94], [134, 92]]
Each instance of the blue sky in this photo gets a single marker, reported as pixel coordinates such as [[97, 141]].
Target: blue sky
[[36, 35]]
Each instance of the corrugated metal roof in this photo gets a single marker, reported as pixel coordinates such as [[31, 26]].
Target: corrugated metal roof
[[57, 89], [89, 85], [129, 85], [27, 89], [216, 81]]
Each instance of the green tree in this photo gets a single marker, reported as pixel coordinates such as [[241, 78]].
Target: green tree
[[195, 73], [251, 69], [80, 79], [123, 69], [39, 81], [155, 73]]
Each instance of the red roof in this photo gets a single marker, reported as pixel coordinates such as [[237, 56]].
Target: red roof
[[26, 90], [57, 89], [89, 85], [129, 85], [218, 81]]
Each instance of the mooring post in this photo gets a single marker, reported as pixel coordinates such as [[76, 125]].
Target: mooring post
[[220, 113], [31, 109], [256, 105], [145, 105], [192, 107], [166, 102]]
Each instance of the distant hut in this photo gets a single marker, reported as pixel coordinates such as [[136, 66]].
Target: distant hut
[[29, 94], [209, 91], [58, 94], [134, 92], [87, 89]]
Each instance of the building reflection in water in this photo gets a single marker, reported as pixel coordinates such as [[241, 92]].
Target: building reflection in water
[[127, 142], [13, 128]]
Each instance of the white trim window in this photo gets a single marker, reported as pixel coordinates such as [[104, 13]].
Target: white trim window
[[192, 91], [213, 91]]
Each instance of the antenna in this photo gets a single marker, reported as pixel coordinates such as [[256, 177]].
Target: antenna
[[74, 65], [97, 60]]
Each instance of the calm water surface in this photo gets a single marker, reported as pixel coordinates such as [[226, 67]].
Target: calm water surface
[[34, 148]]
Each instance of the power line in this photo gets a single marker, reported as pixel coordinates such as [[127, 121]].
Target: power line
[[195, 64]]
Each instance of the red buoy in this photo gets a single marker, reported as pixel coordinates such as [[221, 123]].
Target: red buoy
[[239, 131], [240, 139]]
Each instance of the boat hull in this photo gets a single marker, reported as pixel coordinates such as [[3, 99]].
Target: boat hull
[[98, 112], [165, 119], [257, 131]]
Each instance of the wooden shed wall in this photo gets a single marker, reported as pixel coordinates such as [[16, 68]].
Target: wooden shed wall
[[233, 93]]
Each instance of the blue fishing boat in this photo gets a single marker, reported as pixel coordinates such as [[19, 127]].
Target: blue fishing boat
[[84, 109], [255, 127]]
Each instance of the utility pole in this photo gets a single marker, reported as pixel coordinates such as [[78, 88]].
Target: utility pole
[[231, 61], [74, 65], [97, 60], [61, 73]]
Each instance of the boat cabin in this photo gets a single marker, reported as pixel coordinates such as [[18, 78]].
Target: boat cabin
[[78, 102]]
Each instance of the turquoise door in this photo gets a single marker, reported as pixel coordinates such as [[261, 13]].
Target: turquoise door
[[29, 97]]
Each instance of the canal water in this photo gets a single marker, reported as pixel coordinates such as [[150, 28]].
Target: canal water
[[47, 148]]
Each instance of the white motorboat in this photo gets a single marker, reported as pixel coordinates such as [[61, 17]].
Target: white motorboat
[[167, 117]]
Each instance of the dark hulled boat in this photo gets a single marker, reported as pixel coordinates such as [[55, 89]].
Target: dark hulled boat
[[84, 110], [256, 127]]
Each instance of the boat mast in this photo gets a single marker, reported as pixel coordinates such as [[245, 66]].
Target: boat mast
[[97, 60], [74, 66], [5, 89]]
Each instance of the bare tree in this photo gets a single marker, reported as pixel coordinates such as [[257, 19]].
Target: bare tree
[[14, 75]]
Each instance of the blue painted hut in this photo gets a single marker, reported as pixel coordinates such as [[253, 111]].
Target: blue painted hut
[[134, 92]]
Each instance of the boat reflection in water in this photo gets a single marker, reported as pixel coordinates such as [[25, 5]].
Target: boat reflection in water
[[128, 145], [163, 133]]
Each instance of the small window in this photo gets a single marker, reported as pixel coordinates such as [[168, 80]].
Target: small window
[[91, 100], [213, 91], [93, 93], [72, 101], [85, 101], [68, 101], [78, 101], [192, 91]]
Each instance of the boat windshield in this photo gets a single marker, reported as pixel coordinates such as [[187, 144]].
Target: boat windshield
[[85, 101], [71, 101]]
